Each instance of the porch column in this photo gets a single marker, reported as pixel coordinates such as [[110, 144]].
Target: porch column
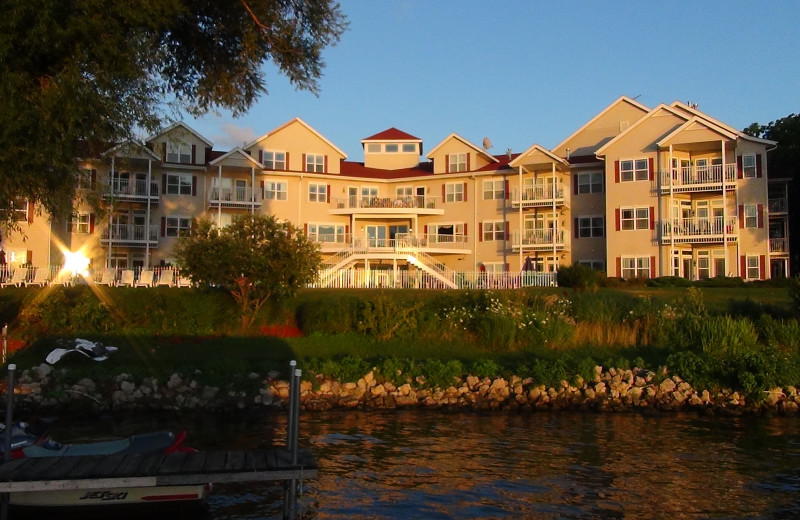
[[519, 213], [147, 220], [111, 213], [724, 212], [252, 190], [669, 215], [555, 219], [219, 198]]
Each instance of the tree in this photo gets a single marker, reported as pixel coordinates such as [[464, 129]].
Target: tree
[[256, 259], [784, 162], [80, 74]]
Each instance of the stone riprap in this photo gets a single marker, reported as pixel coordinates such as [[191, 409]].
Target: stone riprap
[[610, 390]]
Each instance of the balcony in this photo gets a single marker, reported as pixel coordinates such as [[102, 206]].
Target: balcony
[[237, 197], [699, 230], [413, 204], [131, 235], [698, 178], [456, 244], [538, 196], [778, 245], [132, 191], [778, 205], [538, 240]]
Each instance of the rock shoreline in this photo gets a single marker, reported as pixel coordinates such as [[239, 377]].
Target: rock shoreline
[[38, 390]]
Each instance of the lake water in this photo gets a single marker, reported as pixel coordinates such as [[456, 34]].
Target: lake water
[[432, 464]]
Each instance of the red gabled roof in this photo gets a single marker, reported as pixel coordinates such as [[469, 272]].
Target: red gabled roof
[[392, 134], [357, 169]]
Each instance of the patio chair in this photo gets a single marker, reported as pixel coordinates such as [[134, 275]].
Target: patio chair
[[145, 278], [18, 278], [109, 278], [41, 278], [167, 277], [62, 278], [128, 278], [184, 281]]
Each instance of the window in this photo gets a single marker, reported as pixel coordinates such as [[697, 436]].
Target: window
[[494, 231], [590, 182], [177, 226], [458, 162], [81, 223], [750, 215], [595, 265], [749, 166], [636, 267], [179, 184], [327, 233], [494, 267], [634, 218], [373, 148], [753, 264], [315, 163], [275, 190], [274, 160], [84, 178], [454, 192], [317, 193], [392, 148], [179, 153], [494, 189], [19, 209], [447, 233], [703, 265], [409, 147], [590, 227], [634, 170]]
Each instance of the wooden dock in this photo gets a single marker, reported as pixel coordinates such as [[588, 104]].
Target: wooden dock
[[114, 471]]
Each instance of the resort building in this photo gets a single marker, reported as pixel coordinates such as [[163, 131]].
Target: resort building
[[635, 192]]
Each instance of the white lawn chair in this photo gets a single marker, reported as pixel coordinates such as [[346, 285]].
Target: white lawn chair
[[62, 278], [184, 281], [109, 278], [41, 278], [18, 278], [145, 278], [167, 277], [128, 278]]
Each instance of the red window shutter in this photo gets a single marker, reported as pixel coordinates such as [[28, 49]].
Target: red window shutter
[[163, 226], [762, 265], [326, 165], [164, 183], [347, 230], [303, 166], [447, 163], [163, 152], [425, 231], [652, 217], [480, 231], [305, 228], [576, 228], [508, 267], [575, 185], [617, 220], [465, 230], [506, 188], [194, 185], [468, 161], [652, 267], [743, 266], [651, 168], [328, 194], [287, 161], [739, 174], [29, 209], [444, 192], [29, 257], [465, 192], [262, 189], [741, 216], [194, 154], [761, 215], [94, 177], [261, 156], [508, 230], [91, 223], [616, 171], [759, 172], [619, 267], [69, 226]]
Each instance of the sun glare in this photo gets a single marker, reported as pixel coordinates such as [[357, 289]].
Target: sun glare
[[76, 263]]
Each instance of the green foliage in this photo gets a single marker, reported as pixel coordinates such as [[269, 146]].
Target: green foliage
[[256, 258], [385, 318], [329, 314], [439, 374], [669, 281], [784, 334], [578, 276]]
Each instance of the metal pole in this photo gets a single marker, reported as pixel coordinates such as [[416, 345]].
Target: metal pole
[[4, 500], [289, 485], [290, 423], [5, 342], [296, 414]]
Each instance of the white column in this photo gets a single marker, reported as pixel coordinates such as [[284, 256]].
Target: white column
[[219, 198], [556, 228], [147, 220], [519, 213]]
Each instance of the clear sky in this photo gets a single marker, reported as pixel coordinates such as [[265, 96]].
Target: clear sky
[[525, 72]]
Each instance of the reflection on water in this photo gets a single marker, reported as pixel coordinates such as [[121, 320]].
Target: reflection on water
[[423, 464]]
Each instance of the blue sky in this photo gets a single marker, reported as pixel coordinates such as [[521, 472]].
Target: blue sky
[[525, 72]]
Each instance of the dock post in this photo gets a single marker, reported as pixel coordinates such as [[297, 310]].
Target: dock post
[[5, 342], [290, 486], [290, 423], [9, 419]]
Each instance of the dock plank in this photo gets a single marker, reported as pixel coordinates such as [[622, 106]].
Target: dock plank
[[172, 463], [234, 461], [194, 462], [215, 461]]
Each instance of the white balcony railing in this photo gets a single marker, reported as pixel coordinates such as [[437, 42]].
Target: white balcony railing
[[399, 203], [131, 233], [696, 178], [779, 205], [136, 188], [699, 229], [238, 195], [778, 245], [539, 238], [538, 195]]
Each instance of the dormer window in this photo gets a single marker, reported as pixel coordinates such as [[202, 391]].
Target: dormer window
[[315, 163], [392, 147], [179, 153], [409, 147], [374, 148], [458, 162]]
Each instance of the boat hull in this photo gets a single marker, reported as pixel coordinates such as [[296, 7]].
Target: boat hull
[[111, 496]]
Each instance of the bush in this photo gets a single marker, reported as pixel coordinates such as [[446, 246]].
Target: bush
[[578, 276], [332, 314]]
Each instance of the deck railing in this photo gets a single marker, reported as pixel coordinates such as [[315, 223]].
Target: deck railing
[[698, 176]]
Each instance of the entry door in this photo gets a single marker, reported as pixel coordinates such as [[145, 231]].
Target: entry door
[[777, 268], [376, 236], [241, 190], [686, 266]]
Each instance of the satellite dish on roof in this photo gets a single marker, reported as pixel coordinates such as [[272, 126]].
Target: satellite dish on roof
[[487, 143]]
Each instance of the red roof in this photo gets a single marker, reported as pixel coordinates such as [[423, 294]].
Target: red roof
[[357, 169], [392, 134]]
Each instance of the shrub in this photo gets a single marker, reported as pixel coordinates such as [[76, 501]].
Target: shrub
[[578, 276], [332, 314]]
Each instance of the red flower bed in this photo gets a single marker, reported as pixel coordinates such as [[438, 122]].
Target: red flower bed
[[281, 331]]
